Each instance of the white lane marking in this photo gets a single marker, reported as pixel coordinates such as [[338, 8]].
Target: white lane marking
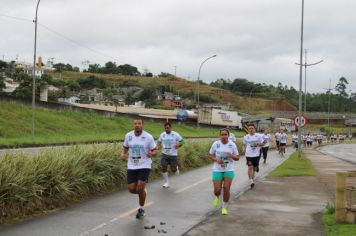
[[84, 233], [114, 219], [192, 185], [98, 227], [132, 211]]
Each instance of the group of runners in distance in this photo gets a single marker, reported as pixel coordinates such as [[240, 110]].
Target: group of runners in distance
[[139, 147]]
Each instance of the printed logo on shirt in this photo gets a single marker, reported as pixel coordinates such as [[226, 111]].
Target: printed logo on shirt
[[130, 138]]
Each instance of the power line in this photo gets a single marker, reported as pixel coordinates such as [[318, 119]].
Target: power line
[[64, 37]]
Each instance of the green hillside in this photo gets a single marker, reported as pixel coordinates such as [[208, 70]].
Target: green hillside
[[186, 89], [58, 127]]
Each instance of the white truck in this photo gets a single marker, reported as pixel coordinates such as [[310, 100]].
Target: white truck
[[218, 117]]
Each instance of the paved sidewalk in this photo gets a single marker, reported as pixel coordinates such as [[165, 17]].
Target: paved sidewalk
[[280, 205]]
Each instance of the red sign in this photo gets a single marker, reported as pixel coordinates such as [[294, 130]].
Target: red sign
[[303, 122]]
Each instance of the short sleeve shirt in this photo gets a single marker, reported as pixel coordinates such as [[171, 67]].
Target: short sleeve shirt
[[232, 137], [266, 139], [252, 143], [168, 142], [220, 150], [138, 147], [283, 137]]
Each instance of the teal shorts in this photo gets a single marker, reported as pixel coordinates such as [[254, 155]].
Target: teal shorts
[[218, 176]]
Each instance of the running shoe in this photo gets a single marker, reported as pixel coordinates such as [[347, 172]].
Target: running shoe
[[216, 202], [252, 184], [224, 211], [140, 213], [165, 185]]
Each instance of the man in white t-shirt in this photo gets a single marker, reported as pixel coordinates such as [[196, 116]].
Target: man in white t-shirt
[[266, 140], [169, 141], [283, 142], [277, 138], [252, 143], [138, 149]]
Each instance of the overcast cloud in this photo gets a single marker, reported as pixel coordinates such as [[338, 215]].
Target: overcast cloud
[[257, 39]]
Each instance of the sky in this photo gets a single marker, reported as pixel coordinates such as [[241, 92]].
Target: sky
[[258, 40]]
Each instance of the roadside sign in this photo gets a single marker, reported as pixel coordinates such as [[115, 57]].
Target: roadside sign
[[304, 121]]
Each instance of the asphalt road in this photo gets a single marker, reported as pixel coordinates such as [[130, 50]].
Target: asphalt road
[[186, 203], [346, 152]]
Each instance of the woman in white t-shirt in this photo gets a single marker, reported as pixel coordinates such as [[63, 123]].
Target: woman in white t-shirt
[[223, 152]]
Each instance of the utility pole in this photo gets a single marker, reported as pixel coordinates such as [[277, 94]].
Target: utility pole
[[175, 71], [300, 84], [34, 75], [305, 78]]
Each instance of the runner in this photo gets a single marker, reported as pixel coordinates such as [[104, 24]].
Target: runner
[[277, 138], [138, 149], [309, 139], [319, 138], [169, 141], [232, 136], [252, 143], [223, 152], [295, 140], [282, 143], [266, 139]]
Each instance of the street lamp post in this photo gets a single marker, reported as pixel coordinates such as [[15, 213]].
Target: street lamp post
[[300, 84], [198, 105], [305, 78], [34, 75], [329, 101]]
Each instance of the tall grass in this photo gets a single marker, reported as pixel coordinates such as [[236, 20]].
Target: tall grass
[[34, 184]]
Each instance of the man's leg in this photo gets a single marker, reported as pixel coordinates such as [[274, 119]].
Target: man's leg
[[164, 167]]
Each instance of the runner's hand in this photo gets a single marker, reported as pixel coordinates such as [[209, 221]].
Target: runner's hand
[[123, 156], [150, 154]]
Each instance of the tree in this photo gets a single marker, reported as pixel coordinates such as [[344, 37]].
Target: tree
[[129, 99], [3, 65], [164, 74], [341, 87], [128, 70], [94, 68], [2, 83], [74, 86]]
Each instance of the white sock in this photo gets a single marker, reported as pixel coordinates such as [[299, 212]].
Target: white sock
[[165, 176], [225, 204]]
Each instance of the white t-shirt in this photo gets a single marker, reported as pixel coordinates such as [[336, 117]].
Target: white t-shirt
[[168, 142], [309, 138], [232, 137], [266, 139], [319, 136], [252, 143], [283, 138], [277, 136], [219, 150], [139, 146], [295, 138]]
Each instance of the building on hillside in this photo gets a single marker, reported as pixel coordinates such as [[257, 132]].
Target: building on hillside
[[93, 96], [171, 100]]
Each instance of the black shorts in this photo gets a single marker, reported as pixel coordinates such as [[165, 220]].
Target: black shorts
[[277, 143], [139, 174], [282, 144], [253, 161], [169, 160]]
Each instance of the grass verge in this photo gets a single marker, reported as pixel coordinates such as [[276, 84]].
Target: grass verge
[[333, 228], [294, 166]]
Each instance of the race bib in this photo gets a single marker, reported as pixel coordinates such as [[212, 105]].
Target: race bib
[[136, 160]]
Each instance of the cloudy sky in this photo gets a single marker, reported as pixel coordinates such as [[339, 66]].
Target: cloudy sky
[[257, 39]]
